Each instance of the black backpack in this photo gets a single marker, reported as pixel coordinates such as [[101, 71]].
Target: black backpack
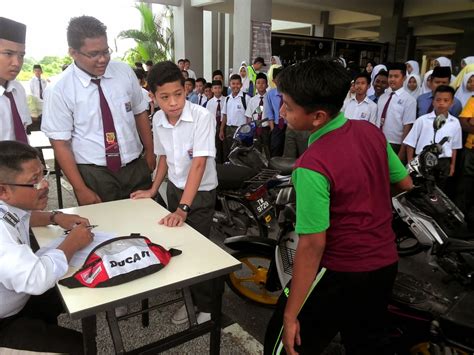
[[244, 102]]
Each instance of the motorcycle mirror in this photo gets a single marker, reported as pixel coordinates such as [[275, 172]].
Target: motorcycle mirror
[[258, 110], [439, 122]]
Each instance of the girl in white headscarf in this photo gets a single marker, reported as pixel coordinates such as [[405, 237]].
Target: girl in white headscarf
[[374, 73], [425, 87], [413, 85], [466, 90], [467, 61], [276, 63], [444, 62], [413, 67], [245, 79]]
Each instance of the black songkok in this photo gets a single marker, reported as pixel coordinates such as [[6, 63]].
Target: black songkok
[[441, 72], [12, 31]]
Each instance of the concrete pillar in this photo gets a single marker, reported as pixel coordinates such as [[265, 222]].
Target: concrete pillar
[[464, 46], [244, 12], [210, 43], [188, 34], [393, 29], [228, 46]]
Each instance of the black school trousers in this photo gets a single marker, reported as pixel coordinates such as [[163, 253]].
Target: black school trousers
[[352, 303], [35, 328]]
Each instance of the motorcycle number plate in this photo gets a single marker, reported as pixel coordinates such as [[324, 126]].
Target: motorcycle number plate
[[261, 206]]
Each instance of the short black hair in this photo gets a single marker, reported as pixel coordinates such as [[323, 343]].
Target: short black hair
[[37, 66], [217, 83], [362, 75], [139, 64], [83, 27], [276, 72], [186, 60], [12, 155], [180, 60], [163, 73], [316, 84], [149, 63], [382, 73], [208, 86], [261, 76], [140, 73], [201, 80], [235, 77], [191, 80], [444, 88], [217, 72], [398, 66]]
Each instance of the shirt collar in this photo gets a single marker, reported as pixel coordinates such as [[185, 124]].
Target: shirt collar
[[10, 87], [185, 116], [366, 99], [21, 214], [85, 78], [399, 91], [333, 124]]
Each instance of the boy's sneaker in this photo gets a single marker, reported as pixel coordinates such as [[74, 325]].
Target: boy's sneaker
[[181, 316], [121, 311], [203, 317]]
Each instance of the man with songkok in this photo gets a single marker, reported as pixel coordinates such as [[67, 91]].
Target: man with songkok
[[14, 114]]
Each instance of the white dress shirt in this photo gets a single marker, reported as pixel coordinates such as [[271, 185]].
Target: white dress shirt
[[234, 109], [34, 86], [191, 74], [192, 136], [7, 131], [212, 105], [71, 111], [202, 98], [422, 134], [254, 102], [365, 110], [22, 272], [401, 111]]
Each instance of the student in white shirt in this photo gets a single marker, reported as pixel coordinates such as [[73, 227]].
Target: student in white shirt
[[262, 133], [396, 110], [29, 304], [191, 73], [12, 52], [199, 90], [101, 163], [422, 134], [185, 149], [215, 106], [233, 113], [360, 107], [37, 83]]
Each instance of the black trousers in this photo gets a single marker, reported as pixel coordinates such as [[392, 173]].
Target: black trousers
[[36, 328], [277, 141], [296, 143], [352, 303], [468, 182], [200, 218], [228, 140], [219, 147], [112, 186]]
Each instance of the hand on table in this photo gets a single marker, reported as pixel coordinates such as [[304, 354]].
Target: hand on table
[[69, 221], [86, 196], [150, 193], [175, 219]]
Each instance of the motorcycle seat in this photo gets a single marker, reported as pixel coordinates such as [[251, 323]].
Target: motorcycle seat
[[281, 164], [232, 177], [459, 245]]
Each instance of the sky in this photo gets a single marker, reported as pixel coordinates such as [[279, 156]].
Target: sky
[[47, 21]]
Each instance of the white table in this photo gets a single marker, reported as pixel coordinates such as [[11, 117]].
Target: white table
[[201, 260]]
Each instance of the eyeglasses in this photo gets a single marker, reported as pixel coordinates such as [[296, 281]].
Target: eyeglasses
[[37, 186], [97, 55]]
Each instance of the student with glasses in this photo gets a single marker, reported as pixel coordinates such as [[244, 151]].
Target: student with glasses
[[30, 305], [96, 118]]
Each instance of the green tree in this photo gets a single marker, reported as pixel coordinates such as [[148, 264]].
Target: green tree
[[154, 41]]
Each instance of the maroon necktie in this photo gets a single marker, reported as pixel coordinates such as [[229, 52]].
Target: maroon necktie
[[281, 120], [218, 112], [19, 128], [259, 117], [112, 152], [385, 108]]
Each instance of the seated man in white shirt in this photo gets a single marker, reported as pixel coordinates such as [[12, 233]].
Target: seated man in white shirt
[[360, 107], [30, 305]]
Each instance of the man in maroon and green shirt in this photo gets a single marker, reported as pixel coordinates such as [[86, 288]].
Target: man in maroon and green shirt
[[346, 259]]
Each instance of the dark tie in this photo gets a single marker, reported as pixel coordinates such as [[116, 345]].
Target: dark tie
[[112, 152], [259, 117], [200, 100], [385, 108], [19, 128], [41, 89], [218, 112], [281, 120]]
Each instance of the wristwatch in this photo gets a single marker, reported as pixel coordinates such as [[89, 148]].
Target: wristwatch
[[184, 207], [52, 216]]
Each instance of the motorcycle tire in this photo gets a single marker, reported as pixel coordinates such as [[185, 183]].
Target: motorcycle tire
[[250, 281]]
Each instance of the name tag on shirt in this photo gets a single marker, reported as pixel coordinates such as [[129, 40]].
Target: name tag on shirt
[[239, 107], [128, 106]]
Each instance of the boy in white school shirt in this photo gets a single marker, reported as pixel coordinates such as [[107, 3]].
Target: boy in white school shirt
[[422, 134], [215, 105], [184, 145], [360, 107]]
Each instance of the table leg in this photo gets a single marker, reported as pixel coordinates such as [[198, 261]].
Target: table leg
[[188, 301], [146, 315], [216, 315], [89, 333], [115, 332]]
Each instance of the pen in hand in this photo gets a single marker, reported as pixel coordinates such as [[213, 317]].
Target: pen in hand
[[67, 231]]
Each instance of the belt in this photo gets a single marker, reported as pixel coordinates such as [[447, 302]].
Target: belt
[[104, 166]]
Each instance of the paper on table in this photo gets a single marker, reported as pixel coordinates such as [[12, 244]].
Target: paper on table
[[80, 257]]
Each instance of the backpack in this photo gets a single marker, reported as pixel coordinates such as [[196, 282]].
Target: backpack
[[244, 102]]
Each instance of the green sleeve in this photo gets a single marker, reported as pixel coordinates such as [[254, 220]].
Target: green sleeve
[[312, 201], [396, 169]]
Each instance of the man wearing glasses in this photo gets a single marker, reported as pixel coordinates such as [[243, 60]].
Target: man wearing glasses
[[95, 116], [29, 304], [14, 114]]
